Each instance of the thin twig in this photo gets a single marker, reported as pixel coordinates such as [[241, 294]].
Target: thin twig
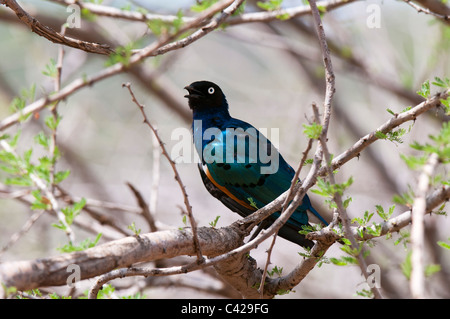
[[145, 208], [444, 17], [188, 206], [264, 274], [54, 112], [25, 228], [288, 198]]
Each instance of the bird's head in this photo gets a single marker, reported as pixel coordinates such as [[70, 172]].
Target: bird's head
[[205, 95]]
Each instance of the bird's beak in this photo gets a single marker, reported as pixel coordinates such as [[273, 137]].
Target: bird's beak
[[193, 93]]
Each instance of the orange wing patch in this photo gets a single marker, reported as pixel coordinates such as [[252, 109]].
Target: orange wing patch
[[226, 191]]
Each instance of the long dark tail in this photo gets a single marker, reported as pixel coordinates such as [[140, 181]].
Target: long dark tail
[[290, 232]]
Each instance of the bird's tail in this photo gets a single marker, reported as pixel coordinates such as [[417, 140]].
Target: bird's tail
[[291, 233]]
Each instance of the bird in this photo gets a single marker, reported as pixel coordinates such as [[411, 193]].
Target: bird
[[234, 164]]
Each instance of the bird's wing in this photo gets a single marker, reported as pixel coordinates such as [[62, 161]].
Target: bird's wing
[[222, 194], [242, 175]]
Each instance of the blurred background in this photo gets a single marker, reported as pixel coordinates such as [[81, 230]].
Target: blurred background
[[271, 73]]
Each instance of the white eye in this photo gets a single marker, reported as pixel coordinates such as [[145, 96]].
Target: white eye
[[211, 90]]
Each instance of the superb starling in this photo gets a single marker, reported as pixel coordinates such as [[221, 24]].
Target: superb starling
[[239, 165]]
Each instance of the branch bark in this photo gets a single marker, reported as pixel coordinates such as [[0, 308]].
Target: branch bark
[[215, 243], [53, 36], [52, 271]]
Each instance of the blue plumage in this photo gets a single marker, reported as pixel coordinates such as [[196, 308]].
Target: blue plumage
[[239, 165]]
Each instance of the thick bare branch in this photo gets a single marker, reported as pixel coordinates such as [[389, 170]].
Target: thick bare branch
[[125, 252], [52, 271], [54, 36]]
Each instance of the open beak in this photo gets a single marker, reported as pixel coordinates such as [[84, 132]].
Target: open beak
[[193, 93]]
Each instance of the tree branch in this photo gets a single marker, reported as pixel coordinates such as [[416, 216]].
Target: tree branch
[[417, 282], [251, 17], [54, 36], [397, 120], [152, 49], [392, 225], [52, 271], [442, 11]]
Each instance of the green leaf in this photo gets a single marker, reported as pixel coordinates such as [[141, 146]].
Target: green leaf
[[444, 244], [40, 202], [200, 6], [252, 202], [214, 222], [60, 176], [365, 293], [446, 104], [42, 140], [391, 112], [432, 269], [85, 244], [133, 228], [385, 215], [312, 131], [406, 198], [275, 271], [347, 202], [337, 262], [61, 226], [363, 221], [406, 266], [158, 27], [15, 139], [87, 15], [178, 22], [121, 55], [19, 181], [394, 136], [70, 212], [403, 238], [414, 162], [270, 5], [19, 103], [106, 292], [54, 295], [52, 123], [50, 69], [445, 83], [424, 90]]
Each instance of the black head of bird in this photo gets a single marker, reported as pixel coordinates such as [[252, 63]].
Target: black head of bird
[[205, 94]]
